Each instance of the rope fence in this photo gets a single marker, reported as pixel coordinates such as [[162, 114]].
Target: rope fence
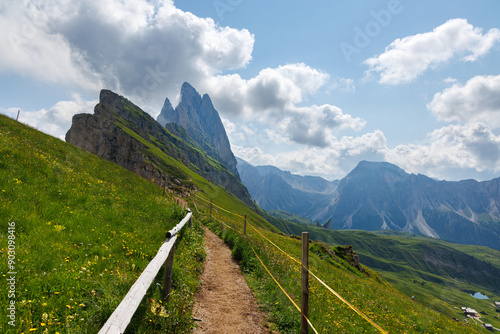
[[284, 291], [336, 294]]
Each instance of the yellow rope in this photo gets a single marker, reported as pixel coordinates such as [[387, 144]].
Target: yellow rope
[[282, 289], [237, 215], [326, 286], [316, 277], [292, 258], [349, 304]]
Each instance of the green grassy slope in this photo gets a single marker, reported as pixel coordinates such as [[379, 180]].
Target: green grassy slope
[[439, 274], [385, 305], [86, 228], [424, 267], [84, 231]]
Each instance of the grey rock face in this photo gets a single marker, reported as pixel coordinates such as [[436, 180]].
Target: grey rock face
[[378, 196], [201, 120], [108, 134]]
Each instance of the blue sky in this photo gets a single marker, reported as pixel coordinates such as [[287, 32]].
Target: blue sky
[[310, 87]]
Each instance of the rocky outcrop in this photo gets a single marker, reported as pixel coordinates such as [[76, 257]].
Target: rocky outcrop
[[100, 134], [198, 116], [121, 132]]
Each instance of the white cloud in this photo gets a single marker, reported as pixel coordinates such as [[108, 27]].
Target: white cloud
[[470, 146], [355, 146], [345, 85], [276, 137], [57, 120], [270, 92], [331, 162], [407, 58], [476, 101], [314, 125], [140, 49], [273, 98], [28, 48]]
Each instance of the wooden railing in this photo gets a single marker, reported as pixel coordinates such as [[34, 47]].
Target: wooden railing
[[119, 320]]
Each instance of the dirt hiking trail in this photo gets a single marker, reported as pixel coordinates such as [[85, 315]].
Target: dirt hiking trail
[[224, 301]]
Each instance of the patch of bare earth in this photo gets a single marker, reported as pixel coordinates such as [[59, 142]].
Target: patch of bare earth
[[224, 302]]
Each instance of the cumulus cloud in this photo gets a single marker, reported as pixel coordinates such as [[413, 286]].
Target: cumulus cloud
[[407, 58], [476, 101], [56, 120], [314, 125], [141, 49], [355, 146], [471, 146], [146, 50], [331, 162], [274, 96], [271, 91], [27, 47]]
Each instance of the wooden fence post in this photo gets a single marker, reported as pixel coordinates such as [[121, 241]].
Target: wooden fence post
[[305, 282], [167, 276], [245, 224], [190, 219]]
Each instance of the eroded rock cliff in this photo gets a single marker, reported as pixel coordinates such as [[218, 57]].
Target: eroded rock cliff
[[121, 132]]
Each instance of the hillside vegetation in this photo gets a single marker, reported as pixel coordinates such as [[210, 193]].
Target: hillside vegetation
[[86, 228], [441, 275], [364, 289]]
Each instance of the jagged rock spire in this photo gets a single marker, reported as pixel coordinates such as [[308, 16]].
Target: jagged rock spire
[[197, 115]]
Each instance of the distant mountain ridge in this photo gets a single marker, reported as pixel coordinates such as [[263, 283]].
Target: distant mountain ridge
[[197, 115], [379, 195], [274, 190]]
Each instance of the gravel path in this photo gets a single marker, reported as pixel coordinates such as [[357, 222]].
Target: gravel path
[[224, 302]]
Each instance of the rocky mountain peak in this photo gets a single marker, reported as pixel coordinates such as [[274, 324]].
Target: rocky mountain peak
[[377, 167], [200, 119], [190, 96], [108, 101], [167, 114]]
